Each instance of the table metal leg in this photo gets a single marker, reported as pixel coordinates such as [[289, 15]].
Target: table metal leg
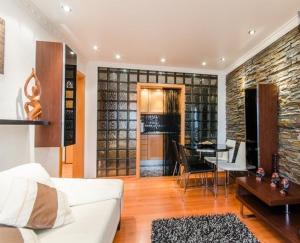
[[216, 176], [225, 183], [287, 209]]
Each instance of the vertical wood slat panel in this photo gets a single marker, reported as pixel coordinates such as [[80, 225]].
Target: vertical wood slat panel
[[268, 127], [49, 69]]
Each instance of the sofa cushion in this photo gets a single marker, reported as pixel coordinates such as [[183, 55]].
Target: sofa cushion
[[26, 203], [82, 191], [94, 223], [33, 171], [17, 235]]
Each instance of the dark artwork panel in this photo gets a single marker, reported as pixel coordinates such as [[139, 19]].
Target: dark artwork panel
[[2, 45]]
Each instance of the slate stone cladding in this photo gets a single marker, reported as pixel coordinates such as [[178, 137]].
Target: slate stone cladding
[[279, 63]]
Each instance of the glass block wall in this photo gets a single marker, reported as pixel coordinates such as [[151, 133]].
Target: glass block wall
[[116, 133]]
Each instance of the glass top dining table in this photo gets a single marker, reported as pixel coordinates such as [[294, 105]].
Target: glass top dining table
[[212, 148]]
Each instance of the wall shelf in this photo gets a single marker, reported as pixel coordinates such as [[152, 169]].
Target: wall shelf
[[24, 122]]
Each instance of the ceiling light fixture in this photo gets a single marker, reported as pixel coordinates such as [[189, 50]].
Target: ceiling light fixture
[[118, 56], [222, 59], [95, 47], [72, 52], [163, 60], [66, 8], [203, 63], [251, 32]]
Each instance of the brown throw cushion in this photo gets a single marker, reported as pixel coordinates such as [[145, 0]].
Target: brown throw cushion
[[33, 205], [15, 235], [44, 211], [10, 234]]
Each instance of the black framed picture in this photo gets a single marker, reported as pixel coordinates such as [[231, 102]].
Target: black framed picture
[[2, 44]]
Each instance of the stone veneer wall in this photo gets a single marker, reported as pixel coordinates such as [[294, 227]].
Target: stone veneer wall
[[280, 64]]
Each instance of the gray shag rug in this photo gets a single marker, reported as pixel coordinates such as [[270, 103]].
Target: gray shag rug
[[225, 228]]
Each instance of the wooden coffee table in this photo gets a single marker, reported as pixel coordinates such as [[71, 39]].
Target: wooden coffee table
[[282, 213]]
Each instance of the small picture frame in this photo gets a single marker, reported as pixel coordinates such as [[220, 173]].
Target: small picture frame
[[2, 44]]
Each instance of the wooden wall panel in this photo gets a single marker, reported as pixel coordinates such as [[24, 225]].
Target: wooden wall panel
[[49, 69], [268, 124]]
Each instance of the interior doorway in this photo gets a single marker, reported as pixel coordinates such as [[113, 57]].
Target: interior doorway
[[160, 119], [72, 157]]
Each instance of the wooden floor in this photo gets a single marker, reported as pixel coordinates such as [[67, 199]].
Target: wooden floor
[[152, 198]]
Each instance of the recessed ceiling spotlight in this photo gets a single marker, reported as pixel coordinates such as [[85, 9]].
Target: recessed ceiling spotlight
[[204, 63], [95, 47], [163, 60], [118, 56], [251, 32], [66, 8], [222, 59]]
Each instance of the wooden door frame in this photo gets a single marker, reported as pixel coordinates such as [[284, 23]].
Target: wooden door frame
[[78, 165], [141, 86], [80, 77]]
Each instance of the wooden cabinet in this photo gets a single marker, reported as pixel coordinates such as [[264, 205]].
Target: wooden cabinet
[[261, 109], [156, 98], [152, 147], [56, 70], [144, 100], [155, 147], [152, 101]]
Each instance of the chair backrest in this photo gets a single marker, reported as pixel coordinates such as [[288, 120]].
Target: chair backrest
[[183, 158], [175, 150], [231, 143], [240, 159]]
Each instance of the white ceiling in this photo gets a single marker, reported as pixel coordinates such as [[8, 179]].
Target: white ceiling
[[185, 32]]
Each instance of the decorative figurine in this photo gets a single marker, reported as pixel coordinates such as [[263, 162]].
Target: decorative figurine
[[260, 173], [33, 107], [275, 180], [285, 186], [275, 162]]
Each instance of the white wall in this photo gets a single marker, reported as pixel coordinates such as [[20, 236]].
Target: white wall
[[91, 106], [17, 142], [90, 144]]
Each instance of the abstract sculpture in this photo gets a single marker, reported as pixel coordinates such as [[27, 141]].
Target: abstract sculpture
[[33, 107], [285, 186], [260, 173], [275, 179]]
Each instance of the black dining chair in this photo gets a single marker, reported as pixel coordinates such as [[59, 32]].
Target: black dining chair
[[176, 157], [179, 167], [191, 167]]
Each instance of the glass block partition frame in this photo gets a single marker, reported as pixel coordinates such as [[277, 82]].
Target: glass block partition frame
[[117, 97]]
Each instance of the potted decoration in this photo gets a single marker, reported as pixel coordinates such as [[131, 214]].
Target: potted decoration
[[275, 180], [260, 173], [285, 186]]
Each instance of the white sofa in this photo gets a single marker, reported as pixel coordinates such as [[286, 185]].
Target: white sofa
[[96, 205]]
